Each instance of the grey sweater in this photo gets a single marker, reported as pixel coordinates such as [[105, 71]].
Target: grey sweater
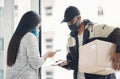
[[28, 59]]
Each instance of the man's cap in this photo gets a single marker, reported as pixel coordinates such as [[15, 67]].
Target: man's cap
[[70, 13]]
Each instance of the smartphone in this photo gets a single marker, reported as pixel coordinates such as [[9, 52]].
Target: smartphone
[[57, 63], [57, 50]]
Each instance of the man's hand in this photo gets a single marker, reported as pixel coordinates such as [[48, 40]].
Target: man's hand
[[61, 63], [116, 61]]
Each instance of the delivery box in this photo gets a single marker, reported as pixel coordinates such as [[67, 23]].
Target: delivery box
[[94, 57]]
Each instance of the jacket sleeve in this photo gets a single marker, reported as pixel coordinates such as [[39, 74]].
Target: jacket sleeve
[[100, 30], [111, 33], [114, 37], [34, 59], [70, 66]]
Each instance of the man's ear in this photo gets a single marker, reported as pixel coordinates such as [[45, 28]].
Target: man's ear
[[79, 17]]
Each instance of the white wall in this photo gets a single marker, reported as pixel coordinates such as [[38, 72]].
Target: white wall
[[88, 10]]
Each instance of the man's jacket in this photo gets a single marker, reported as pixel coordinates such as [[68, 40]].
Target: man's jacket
[[91, 32]]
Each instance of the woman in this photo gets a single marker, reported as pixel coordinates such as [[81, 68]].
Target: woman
[[23, 59]]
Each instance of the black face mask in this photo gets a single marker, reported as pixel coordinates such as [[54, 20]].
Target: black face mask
[[74, 27]]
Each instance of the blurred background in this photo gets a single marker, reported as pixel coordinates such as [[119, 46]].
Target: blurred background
[[54, 34]]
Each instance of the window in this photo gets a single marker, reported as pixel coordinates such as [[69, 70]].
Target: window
[[100, 11], [1, 18], [49, 43], [49, 78], [49, 75], [48, 10], [1, 74], [16, 10], [49, 40], [1, 44], [0, 11]]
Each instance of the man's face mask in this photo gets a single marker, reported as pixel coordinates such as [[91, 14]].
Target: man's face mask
[[74, 27], [35, 31]]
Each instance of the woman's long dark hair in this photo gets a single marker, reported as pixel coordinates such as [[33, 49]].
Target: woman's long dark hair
[[27, 23]]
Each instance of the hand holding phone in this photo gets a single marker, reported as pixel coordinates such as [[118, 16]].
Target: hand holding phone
[[57, 50], [52, 53]]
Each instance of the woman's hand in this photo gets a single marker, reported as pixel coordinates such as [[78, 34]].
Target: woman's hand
[[51, 54]]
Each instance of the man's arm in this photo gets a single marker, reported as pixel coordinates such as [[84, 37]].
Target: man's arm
[[114, 37]]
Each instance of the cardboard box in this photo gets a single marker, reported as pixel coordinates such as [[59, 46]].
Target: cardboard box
[[94, 57]]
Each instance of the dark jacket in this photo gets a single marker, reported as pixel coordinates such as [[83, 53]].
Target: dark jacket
[[113, 35]]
